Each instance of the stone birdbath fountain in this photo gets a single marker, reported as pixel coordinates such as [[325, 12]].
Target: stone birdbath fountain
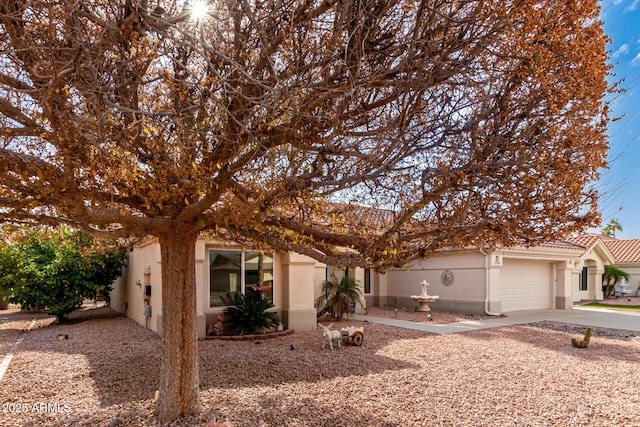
[[424, 298]]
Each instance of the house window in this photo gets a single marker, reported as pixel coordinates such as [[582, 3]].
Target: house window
[[367, 280], [233, 272], [584, 279]]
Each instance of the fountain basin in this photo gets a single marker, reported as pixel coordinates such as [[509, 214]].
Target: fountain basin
[[424, 301]]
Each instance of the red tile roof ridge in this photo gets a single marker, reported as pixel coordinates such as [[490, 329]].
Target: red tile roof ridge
[[587, 240], [562, 244]]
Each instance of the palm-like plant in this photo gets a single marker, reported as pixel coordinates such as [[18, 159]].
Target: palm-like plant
[[249, 315], [610, 278], [610, 229], [337, 295]]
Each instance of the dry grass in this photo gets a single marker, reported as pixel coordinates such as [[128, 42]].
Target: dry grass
[[524, 375]]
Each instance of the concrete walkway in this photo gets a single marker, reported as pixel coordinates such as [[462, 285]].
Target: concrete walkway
[[596, 318]]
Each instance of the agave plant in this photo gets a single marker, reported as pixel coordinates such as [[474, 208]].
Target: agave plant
[[337, 296], [250, 315]]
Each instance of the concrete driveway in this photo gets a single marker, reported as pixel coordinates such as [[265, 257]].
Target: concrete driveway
[[583, 316]]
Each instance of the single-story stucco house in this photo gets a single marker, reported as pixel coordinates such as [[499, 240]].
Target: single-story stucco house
[[549, 276]]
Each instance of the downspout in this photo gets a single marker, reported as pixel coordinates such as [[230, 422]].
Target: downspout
[[486, 284]]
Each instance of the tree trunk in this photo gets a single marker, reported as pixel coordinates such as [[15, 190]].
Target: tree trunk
[[179, 371]]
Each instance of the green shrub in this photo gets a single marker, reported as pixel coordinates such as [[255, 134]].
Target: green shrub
[[55, 270], [250, 315]]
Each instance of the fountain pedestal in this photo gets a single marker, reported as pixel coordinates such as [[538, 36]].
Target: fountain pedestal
[[424, 298]]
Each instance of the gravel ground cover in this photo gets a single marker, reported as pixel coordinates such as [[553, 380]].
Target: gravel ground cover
[[107, 372], [14, 323], [436, 317]]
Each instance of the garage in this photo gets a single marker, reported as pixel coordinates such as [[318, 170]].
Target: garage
[[525, 285]]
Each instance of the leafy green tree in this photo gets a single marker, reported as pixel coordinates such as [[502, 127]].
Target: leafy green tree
[[611, 277], [55, 271], [106, 266], [337, 295]]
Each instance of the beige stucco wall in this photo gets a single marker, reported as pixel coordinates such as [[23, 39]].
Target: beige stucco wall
[[298, 283], [119, 292], [465, 294], [295, 278], [319, 274], [378, 281], [358, 275], [478, 278], [128, 296], [564, 284]]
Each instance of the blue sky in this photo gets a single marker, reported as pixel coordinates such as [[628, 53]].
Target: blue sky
[[620, 184]]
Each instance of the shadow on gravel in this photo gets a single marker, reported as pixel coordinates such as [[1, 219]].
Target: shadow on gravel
[[303, 412], [120, 361], [230, 364], [124, 358], [606, 345]]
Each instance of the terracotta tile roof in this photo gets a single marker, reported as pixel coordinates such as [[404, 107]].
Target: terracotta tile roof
[[351, 214], [562, 244], [621, 250], [354, 214], [624, 250], [587, 240], [366, 214]]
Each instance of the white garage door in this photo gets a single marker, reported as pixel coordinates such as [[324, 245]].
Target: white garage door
[[525, 285]]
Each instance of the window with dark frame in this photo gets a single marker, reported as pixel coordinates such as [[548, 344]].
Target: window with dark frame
[[367, 280], [584, 279], [239, 272]]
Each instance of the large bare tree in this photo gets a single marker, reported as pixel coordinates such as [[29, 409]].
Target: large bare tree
[[468, 122]]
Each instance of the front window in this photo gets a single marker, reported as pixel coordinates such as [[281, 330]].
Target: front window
[[367, 280], [233, 272], [584, 279], [258, 274]]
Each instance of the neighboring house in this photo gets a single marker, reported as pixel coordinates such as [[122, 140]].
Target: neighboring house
[[605, 250], [590, 266], [627, 257], [550, 276]]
